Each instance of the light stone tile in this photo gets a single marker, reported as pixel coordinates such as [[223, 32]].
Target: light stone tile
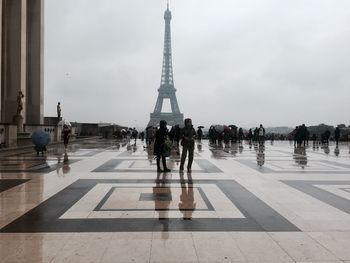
[[218, 250], [106, 214], [49, 236], [257, 246], [80, 251], [14, 236], [8, 248], [302, 248], [212, 235], [128, 250], [176, 250], [336, 242], [172, 235], [91, 236], [132, 235], [75, 214], [337, 261], [138, 214], [34, 251], [83, 247]]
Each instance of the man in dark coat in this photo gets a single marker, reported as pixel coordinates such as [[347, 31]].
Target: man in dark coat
[[337, 135], [199, 134], [189, 133], [161, 135]]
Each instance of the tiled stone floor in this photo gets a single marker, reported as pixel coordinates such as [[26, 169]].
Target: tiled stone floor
[[104, 202]]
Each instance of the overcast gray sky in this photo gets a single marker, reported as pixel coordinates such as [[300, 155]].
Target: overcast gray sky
[[235, 62]]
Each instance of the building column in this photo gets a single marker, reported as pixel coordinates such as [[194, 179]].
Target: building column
[[13, 70], [35, 62], [22, 59], [1, 60]]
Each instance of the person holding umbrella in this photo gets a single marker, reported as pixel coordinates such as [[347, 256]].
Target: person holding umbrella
[[187, 143], [40, 139], [200, 133], [66, 135]]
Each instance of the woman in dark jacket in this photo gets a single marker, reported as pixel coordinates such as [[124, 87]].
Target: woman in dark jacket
[[161, 134]]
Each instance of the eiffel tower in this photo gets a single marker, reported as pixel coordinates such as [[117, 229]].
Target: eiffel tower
[[167, 89]]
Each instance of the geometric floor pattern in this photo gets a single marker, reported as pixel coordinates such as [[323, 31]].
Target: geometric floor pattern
[[238, 209], [104, 202]]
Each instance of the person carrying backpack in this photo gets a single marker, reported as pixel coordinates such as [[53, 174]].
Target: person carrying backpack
[[261, 134]]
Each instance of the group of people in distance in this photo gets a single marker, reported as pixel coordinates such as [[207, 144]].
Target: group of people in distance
[[301, 135], [188, 135], [232, 133]]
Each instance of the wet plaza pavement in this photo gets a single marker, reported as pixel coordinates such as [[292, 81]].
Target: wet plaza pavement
[[103, 201]]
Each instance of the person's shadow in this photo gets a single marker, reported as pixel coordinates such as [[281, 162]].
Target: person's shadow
[[66, 167], [199, 147], [162, 198], [187, 204], [260, 155], [336, 151], [300, 156]]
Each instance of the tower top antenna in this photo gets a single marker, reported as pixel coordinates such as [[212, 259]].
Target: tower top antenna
[[167, 4]]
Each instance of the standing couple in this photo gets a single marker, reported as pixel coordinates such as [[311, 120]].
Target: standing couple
[[188, 134]]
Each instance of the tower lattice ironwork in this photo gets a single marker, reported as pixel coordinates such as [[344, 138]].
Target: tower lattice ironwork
[[167, 89]]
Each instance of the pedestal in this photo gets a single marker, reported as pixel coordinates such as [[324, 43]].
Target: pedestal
[[18, 120], [11, 135], [58, 133]]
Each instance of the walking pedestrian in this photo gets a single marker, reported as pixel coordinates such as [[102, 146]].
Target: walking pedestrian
[[261, 134], [199, 133], [337, 135], [66, 135]]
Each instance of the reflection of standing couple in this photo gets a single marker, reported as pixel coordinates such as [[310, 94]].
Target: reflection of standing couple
[[187, 204], [163, 198]]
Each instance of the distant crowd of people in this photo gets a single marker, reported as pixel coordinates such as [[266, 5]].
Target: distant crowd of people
[[162, 141], [231, 133], [301, 136]]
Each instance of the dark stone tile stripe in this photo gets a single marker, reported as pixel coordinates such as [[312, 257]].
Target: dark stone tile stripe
[[6, 184], [46, 169], [308, 187], [207, 166]]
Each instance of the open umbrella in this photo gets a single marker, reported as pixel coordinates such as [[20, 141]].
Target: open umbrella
[[65, 123], [200, 127], [40, 138], [219, 128]]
